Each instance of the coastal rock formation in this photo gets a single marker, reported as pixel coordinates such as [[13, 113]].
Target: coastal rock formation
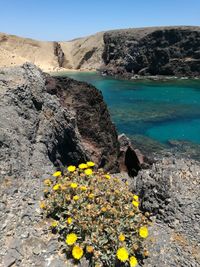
[[84, 53], [48, 122], [59, 53], [129, 53], [45, 123], [172, 51], [97, 133], [131, 160]]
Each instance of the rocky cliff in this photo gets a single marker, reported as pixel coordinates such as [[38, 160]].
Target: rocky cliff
[[48, 122], [172, 51]]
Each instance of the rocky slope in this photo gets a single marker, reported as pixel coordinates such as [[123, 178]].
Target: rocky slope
[[83, 53], [48, 122], [171, 51], [170, 190]]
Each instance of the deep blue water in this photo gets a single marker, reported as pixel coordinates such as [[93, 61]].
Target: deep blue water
[[161, 111]]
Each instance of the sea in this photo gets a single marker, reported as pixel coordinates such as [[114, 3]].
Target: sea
[[155, 115]]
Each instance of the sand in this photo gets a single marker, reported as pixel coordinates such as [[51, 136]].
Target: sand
[[80, 54]]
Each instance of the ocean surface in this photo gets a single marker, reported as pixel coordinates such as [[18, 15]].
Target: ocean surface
[[159, 113]]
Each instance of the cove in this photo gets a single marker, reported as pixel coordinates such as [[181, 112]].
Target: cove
[[161, 111]]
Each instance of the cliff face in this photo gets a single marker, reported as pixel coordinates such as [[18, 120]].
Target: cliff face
[[153, 51], [48, 122], [172, 51]]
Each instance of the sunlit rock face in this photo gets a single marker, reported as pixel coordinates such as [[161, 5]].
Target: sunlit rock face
[[172, 51]]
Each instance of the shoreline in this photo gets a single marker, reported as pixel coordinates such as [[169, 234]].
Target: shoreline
[[133, 78]]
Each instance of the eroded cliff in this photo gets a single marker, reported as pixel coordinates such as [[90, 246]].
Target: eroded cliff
[[172, 51]]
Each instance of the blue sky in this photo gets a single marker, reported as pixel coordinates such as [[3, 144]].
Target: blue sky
[[68, 19]]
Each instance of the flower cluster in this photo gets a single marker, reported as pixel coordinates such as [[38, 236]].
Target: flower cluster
[[96, 215]]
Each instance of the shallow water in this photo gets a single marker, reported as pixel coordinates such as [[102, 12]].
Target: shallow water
[[161, 111]]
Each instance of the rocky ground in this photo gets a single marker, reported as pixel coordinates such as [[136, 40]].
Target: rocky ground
[[169, 189]]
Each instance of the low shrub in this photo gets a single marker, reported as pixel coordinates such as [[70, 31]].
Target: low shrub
[[96, 216]]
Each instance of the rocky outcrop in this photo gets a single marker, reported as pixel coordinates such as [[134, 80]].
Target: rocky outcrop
[[84, 53], [171, 51], [59, 53], [48, 122], [131, 160], [97, 133], [170, 191], [45, 123]]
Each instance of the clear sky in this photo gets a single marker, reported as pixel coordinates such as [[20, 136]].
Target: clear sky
[[68, 19]]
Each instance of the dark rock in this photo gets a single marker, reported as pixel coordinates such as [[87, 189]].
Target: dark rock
[[58, 52], [130, 159], [47, 129], [171, 51], [97, 132]]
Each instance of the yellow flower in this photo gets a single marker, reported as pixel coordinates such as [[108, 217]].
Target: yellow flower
[[47, 182], [133, 261], [122, 254], [143, 232], [107, 176], [69, 220], [82, 166], [71, 239], [83, 188], [127, 183], [42, 205], [71, 168], [89, 249], [77, 252], [76, 198], [121, 237], [88, 172], [91, 195], [56, 187], [56, 174], [73, 185], [104, 209], [54, 224], [135, 203], [90, 164], [135, 197]]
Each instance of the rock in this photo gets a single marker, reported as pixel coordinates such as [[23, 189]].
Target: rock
[[131, 160], [169, 190], [58, 52], [168, 51], [97, 132], [46, 123], [55, 121]]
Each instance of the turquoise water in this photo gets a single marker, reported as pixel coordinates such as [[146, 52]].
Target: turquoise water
[[162, 111]]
